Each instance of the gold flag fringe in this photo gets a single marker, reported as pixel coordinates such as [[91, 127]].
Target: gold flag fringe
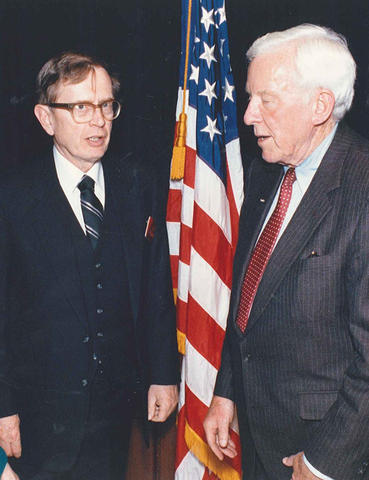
[[181, 340], [202, 451]]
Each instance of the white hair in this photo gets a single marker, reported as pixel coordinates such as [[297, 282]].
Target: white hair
[[322, 60]]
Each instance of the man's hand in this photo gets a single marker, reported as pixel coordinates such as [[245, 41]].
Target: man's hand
[[161, 402], [300, 470], [217, 424], [9, 473], [10, 439]]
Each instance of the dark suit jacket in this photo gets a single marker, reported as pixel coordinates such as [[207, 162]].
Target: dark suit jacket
[[44, 358], [300, 373]]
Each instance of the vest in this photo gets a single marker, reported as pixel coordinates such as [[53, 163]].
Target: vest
[[111, 335]]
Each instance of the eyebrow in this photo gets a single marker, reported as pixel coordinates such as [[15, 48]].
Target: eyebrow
[[263, 92], [89, 101]]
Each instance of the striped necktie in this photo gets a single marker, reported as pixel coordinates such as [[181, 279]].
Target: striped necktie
[[263, 250], [92, 210]]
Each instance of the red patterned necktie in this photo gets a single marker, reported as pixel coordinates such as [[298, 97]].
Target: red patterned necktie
[[263, 250]]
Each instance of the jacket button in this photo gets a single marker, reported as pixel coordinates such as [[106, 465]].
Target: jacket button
[[86, 340], [99, 334], [99, 311], [362, 469], [98, 266], [99, 286], [84, 382]]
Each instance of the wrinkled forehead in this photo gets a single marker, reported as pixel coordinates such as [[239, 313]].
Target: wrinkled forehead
[[275, 69]]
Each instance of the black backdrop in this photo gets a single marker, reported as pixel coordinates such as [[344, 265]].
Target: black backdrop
[[141, 40]]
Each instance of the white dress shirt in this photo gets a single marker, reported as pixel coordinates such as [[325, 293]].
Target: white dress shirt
[[304, 174], [69, 177]]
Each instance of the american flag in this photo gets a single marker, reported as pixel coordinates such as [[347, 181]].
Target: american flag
[[202, 220]]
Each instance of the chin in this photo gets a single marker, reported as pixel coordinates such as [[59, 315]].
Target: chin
[[96, 154], [270, 158]]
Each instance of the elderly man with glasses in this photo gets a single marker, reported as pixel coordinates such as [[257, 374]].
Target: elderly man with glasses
[[87, 316]]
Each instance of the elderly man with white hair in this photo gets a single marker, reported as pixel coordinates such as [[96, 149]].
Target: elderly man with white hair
[[295, 361]]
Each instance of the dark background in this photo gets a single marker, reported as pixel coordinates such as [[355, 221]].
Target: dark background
[[141, 40]]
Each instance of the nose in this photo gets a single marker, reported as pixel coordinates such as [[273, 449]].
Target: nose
[[252, 113], [97, 117]]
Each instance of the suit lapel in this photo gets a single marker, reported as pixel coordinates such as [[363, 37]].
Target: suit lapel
[[57, 228], [313, 208]]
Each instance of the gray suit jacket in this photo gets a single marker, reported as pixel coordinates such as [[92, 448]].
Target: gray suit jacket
[[300, 373]]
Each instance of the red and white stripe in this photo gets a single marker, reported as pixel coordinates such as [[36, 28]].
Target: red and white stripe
[[202, 220]]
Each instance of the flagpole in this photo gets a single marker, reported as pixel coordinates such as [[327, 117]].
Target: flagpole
[[179, 148]]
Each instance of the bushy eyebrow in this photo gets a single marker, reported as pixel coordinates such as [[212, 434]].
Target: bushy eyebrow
[[109, 99], [262, 92]]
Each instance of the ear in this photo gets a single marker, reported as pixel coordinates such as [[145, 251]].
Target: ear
[[44, 116], [323, 106]]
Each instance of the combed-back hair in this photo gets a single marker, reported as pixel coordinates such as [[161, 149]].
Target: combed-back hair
[[322, 60]]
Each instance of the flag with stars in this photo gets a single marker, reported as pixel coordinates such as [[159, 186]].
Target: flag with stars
[[202, 219]]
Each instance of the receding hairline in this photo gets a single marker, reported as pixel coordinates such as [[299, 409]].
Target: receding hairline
[[322, 58], [288, 49], [65, 80], [69, 68], [288, 56], [297, 34]]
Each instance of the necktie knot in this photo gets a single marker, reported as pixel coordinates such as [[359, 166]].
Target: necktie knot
[[87, 183], [290, 176]]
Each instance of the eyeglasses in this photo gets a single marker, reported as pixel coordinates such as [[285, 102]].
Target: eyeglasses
[[84, 112]]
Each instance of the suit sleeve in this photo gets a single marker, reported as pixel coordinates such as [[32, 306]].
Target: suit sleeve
[[6, 402], [340, 446], [159, 306], [224, 383]]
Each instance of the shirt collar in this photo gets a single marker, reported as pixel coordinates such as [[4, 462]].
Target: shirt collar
[[306, 170], [69, 175]]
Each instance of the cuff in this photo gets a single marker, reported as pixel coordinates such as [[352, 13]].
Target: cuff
[[3, 460], [315, 471]]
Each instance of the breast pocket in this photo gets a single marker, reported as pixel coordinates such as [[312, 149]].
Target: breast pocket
[[318, 286]]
